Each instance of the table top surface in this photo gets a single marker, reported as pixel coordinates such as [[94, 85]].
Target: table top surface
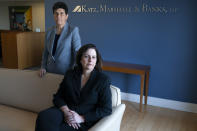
[[126, 66]]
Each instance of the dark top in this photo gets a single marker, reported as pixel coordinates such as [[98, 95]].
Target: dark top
[[55, 43], [93, 101]]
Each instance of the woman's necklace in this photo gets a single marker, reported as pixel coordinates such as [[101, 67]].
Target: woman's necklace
[[58, 30], [84, 80]]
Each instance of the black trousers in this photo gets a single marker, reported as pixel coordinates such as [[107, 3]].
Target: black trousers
[[52, 119]]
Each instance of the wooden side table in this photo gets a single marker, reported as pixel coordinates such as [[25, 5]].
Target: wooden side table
[[142, 70]]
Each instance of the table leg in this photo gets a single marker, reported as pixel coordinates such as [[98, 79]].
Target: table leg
[[146, 88], [142, 91]]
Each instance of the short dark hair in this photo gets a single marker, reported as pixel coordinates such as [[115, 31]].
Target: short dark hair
[[61, 5], [82, 50]]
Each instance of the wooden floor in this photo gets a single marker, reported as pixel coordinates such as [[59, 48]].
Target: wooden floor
[[157, 119]]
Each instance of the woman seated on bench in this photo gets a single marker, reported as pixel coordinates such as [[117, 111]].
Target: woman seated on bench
[[84, 96]]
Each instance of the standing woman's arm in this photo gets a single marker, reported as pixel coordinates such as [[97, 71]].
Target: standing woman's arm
[[44, 58], [76, 40]]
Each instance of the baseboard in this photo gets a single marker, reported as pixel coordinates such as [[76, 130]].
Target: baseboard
[[171, 104]]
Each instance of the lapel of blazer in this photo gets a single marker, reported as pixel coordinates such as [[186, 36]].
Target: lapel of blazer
[[76, 82], [90, 83], [61, 42], [51, 41]]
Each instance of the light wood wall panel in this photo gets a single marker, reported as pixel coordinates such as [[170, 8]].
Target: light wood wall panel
[[29, 48], [22, 49]]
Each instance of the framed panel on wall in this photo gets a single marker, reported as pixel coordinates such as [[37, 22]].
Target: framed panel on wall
[[20, 18]]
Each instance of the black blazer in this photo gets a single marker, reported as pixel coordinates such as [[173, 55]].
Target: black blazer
[[93, 101]]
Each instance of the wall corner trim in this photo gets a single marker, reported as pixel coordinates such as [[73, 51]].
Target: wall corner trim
[[154, 101]]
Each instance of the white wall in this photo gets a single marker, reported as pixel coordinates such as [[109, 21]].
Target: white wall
[[4, 16], [38, 14]]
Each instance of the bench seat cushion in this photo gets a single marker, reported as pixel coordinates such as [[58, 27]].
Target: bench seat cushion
[[13, 119]]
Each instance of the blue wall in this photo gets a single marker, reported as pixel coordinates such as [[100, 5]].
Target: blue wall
[[158, 33]]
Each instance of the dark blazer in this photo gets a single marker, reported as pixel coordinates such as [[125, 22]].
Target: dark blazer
[[93, 101], [68, 44]]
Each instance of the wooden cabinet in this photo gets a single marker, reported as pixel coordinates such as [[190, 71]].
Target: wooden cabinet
[[22, 49]]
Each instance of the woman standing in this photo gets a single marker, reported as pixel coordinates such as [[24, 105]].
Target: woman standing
[[61, 43]]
